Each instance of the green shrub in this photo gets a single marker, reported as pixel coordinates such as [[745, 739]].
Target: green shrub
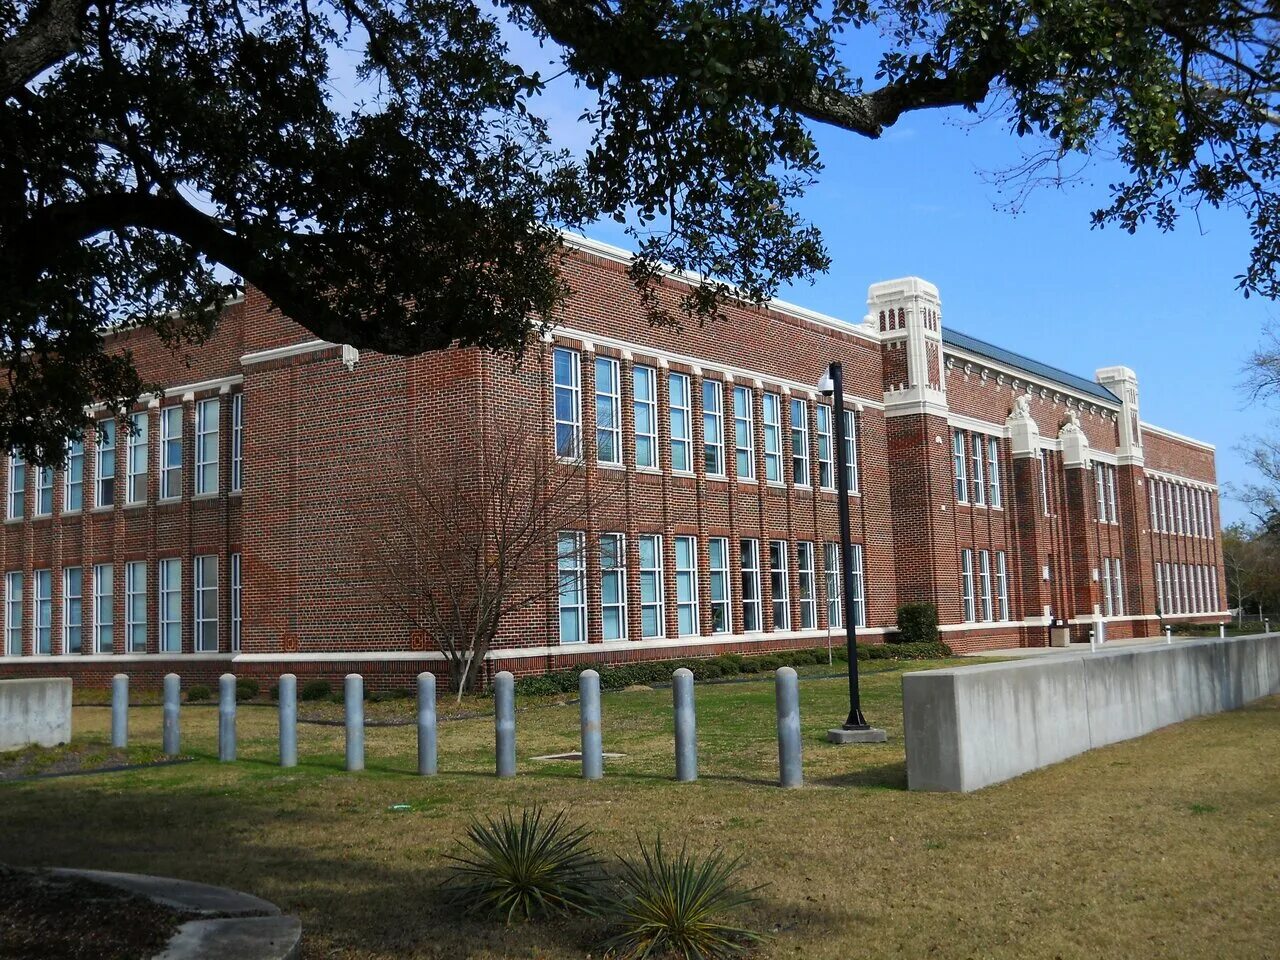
[[750, 666], [769, 662], [274, 691], [246, 688], [674, 906], [917, 623], [525, 868], [198, 693], [315, 690]]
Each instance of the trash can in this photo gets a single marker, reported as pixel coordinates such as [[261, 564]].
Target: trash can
[[1059, 633]]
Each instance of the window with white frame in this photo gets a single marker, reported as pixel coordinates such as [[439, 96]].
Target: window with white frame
[[744, 439], [1151, 505], [772, 420], [1118, 586], [826, 469], [1002, 585], [807, 590], [73, 478], [779, 584], [644, 388], [1178, 503], [984, 582], [1108, 604], [1184, 588], [170, 453], [718, 585], [1099, 491], [851, 451], [653, 617], [44, 491], [831, 574], [1113, 515], [206, 604], [208, 442], [686, 586], [137, 459], [1044, 482], [994, 495], [713, 426], [608, 411], [1163, 493], [17, 487], [72, 609], [966, 585], [800, 442], [171, 605], [566, 374], [977, 451], [13, 613], [613, 586], [237, 442], [105, 464], [43, 624], [135, 606], [104, 613], [571, 565], [1213, 582], [752, 616], [1160, 607], [960, 467], [681, 423], [236, 622]]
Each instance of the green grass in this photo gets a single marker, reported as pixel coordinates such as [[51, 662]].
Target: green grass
[[1104, 855]]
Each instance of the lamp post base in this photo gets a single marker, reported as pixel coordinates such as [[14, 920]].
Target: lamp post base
[[856, 735]]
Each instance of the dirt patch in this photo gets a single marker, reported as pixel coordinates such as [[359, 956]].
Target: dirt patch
[[44, 916], [74, 758]]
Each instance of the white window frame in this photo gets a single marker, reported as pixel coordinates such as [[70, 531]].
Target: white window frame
[[744, 433], [859, 601], [645, 399], [613, 568], [800, 466], [135, 603], [960, 465], [17, 488], [1044, 481], [1099, 492], [719, 582], [851, 449], [1152, 509], [207, 471], [571, 391], [713, 427], [681, 409], [104, 464], [608, 411], [826, 448], [137, 466], [571, 572], [651, 576], [771, 417], [204, 605], [44, 491], [104, 613], [1002, 585], [237, 442], [73, 488], [780, 575], [170, 588], [994, 494], [237, 624], [1160, 607], [171, 473], [807, 586], [752, 598], [966, 586], [977, 456], [686, 568], [72, 601], [984, 583], [831, 576], [1108, 601], [42, 614], [13, 603], [1118, 581], [1113, 514]]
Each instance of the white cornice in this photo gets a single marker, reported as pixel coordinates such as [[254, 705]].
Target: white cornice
[[1161, 431], [1186, 481], [1017, 373], [289, 350]]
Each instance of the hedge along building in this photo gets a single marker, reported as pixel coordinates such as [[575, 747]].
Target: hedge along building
[[225, 530]]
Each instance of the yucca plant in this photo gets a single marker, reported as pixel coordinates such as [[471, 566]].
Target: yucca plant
[[525, 867], [674, 907]]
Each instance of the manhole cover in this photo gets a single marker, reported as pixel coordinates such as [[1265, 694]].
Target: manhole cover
[[577, 755]]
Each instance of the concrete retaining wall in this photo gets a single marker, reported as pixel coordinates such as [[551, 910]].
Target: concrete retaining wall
[[968, 727], [34, 711]]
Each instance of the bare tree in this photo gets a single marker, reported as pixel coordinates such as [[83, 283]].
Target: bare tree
[[1238, 566]]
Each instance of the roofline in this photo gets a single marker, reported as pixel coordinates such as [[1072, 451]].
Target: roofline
[[1112, 405], [1171, 435]]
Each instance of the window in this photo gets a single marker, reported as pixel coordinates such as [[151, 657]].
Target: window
[[751, 614], [984, 573], [681, 424], [237, 442], [652, 589], [44, 612], [72, 608], [1044, 482], [236, 622], [826, 472], [1164, 505], [17, 487], [608, 410], [966, 585], [686, 586], [713, 426], [778, 584], [104, 614], [1213, 583], [645, 394], [1108, 603], [1178, 503], [1117, 586], [807, 601], [1183, 590], [1099, 488], [851, 451], [105, 465], [571, 562], [993, 472], [1151, 504], [73, 478], [170, 453], [772, 438], [171, 605], [44, 491], [1112, 514], [800, 442], [135, 606], [831, 571], [208, 417], [961, 471], [613, 586], [567, 402], [13, 613], [977, 445], [1002, 585], [137, 449], [718, 573], [744, 440], [1160, 607], [206, 604]]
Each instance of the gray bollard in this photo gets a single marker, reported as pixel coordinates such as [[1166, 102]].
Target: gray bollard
[[504, 722], [172, 704], [120, 711], [426, 724], [288, 693], [589, 714], [1168, 634], [1222, 631], [787, 692], [686, 726], [227, 718], [353, 697]]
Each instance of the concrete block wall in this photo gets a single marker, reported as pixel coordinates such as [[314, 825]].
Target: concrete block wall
[[36, 711]]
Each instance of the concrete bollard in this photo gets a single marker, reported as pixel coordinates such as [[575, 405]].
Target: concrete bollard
[[504, 722], [1222, 631], [288, 693], [686, 725], [589, 716], [1093, 641], [172, 704], [120, 711], [426, 724], [1266, 626], [227, 718], [787, 694], [353, 699], [1168, 634]]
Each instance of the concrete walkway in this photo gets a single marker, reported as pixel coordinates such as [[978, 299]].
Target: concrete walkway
[[1018, 652]]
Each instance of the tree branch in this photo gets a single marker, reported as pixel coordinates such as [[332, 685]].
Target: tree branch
[[50, 35]]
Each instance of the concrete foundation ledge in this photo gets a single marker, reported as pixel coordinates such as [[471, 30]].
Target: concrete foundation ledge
[[969, 727], [35, 711]]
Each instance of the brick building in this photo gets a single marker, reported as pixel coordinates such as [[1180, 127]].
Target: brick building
[[216, 534]]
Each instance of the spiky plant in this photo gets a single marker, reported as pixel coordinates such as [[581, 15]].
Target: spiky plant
[[522, 868], [674, 906]]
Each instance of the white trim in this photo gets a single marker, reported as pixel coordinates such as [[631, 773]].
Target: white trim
[[127, 657], [1161, 431], [289, 350], [1183, 481], [203, 385], [1018, 373]]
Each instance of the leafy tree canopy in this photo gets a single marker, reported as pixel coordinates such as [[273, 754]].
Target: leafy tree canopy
[[151, 148]]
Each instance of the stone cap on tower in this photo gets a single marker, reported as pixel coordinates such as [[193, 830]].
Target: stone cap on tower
[[907, 312], [1123, 382]]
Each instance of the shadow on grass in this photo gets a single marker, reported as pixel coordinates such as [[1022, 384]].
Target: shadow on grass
[[891, 776]]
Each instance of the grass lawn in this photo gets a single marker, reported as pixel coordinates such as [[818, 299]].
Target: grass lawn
[[1161, 847]]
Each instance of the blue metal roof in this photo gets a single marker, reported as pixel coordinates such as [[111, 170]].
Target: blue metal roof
[[962, 341]]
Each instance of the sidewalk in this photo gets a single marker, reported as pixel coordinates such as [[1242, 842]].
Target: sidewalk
[[1075, 648]]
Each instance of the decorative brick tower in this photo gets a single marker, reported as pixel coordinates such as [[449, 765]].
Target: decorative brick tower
[[1131, 485]]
